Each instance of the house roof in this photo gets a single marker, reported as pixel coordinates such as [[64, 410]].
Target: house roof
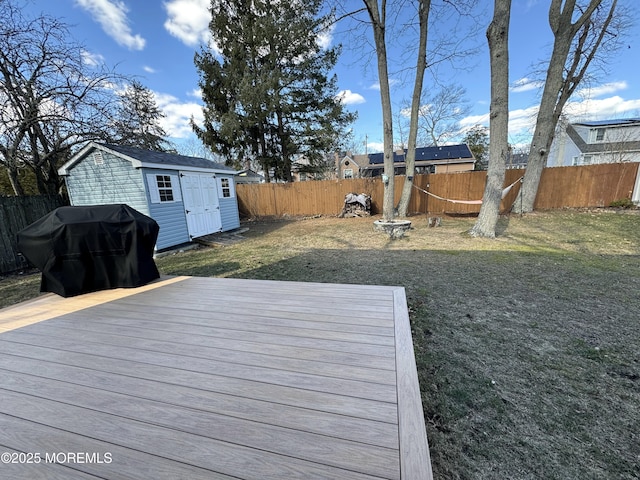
[[248, 175], [430, 155], [141, 158], [607, 123]]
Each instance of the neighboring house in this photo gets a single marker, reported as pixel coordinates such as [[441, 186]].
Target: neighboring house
[[249, 176], [304, 170], [517, 160], [188, 196], [443, 159], [351, 166], [605, 141]]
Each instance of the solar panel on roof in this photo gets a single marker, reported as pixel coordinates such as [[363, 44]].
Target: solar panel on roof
[[602, 123], [426, 154]]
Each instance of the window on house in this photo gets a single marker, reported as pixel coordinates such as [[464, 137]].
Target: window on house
[[98, 159], [165, 189], [600, 134], [587, 160], [226, 187], [348, 173]]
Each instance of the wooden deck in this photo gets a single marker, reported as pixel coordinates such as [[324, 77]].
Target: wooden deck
[[206, 378]]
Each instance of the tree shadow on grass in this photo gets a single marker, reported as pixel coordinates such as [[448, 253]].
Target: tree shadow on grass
[[500, 340]]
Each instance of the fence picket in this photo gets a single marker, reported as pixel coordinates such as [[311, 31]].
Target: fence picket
[[17, 213], [560, 187]]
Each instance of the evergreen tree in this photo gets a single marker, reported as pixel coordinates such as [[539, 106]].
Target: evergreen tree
[[137, 121], [268, 95], [477, 138]]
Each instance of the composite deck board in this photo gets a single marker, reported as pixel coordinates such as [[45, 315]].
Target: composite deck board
[[314, 382], [174, 321], [27, 436], [346, 403], [246, 321], [102, 344], [249, 346], [115, 408], [233, 314], [324, 345], [199, 450], [368, 431], [232, 332], [215, 378], [196, 303]]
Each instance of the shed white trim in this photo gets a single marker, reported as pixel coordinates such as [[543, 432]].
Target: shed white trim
[[136, 163]]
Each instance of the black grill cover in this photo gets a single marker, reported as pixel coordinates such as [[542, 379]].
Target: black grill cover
[[85, 249]]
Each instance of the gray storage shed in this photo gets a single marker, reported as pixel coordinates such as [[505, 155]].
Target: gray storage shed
[[189, 197]]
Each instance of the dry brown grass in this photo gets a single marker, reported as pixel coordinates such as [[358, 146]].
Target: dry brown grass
[[527, 346]]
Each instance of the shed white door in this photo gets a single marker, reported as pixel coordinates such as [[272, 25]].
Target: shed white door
[[201, 204]]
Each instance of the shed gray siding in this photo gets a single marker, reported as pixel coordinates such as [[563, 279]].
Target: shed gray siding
[[114, 181], [170, 215], [229, 213]]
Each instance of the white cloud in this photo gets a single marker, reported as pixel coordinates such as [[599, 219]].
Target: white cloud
[[524, 85], [325, 37], [602, 109], [148, 69], [347, 97], [188, 20], [112, 17], [196, 92], [376, 86], [607, 88], [178, 114], [531, 4], [375, 147], [92, 59], [522, 121]]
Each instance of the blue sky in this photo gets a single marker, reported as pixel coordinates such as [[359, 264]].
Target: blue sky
[[155, 40]]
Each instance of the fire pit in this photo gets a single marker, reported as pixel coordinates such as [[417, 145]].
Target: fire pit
[[394, 228]]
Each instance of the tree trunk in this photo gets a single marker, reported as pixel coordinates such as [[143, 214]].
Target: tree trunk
[[378, 22], [421, 65], [545, 126], [284, 148], [498, 39], [15, 181], [562, 79]]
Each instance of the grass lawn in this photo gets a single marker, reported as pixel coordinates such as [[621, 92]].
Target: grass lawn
[[527, 346]]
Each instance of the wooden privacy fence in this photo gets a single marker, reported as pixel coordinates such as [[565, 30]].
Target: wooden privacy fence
[[15, 214], [560, 187]]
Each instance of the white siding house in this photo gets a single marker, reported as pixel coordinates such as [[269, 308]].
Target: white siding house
[[604, 141], [188, 196]]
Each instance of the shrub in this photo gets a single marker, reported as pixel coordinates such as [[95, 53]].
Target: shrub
[[622, 203]]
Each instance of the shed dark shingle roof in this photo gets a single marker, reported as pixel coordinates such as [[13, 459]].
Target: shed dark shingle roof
[[164, 158]]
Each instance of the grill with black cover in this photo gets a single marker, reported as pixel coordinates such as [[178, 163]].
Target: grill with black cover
[[90, 248]]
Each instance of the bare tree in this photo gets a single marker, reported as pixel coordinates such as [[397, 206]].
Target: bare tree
[[378, 16], [424, 7], [440, 114], [53, 96], [577, 44], [446, 48], [498, 38]]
